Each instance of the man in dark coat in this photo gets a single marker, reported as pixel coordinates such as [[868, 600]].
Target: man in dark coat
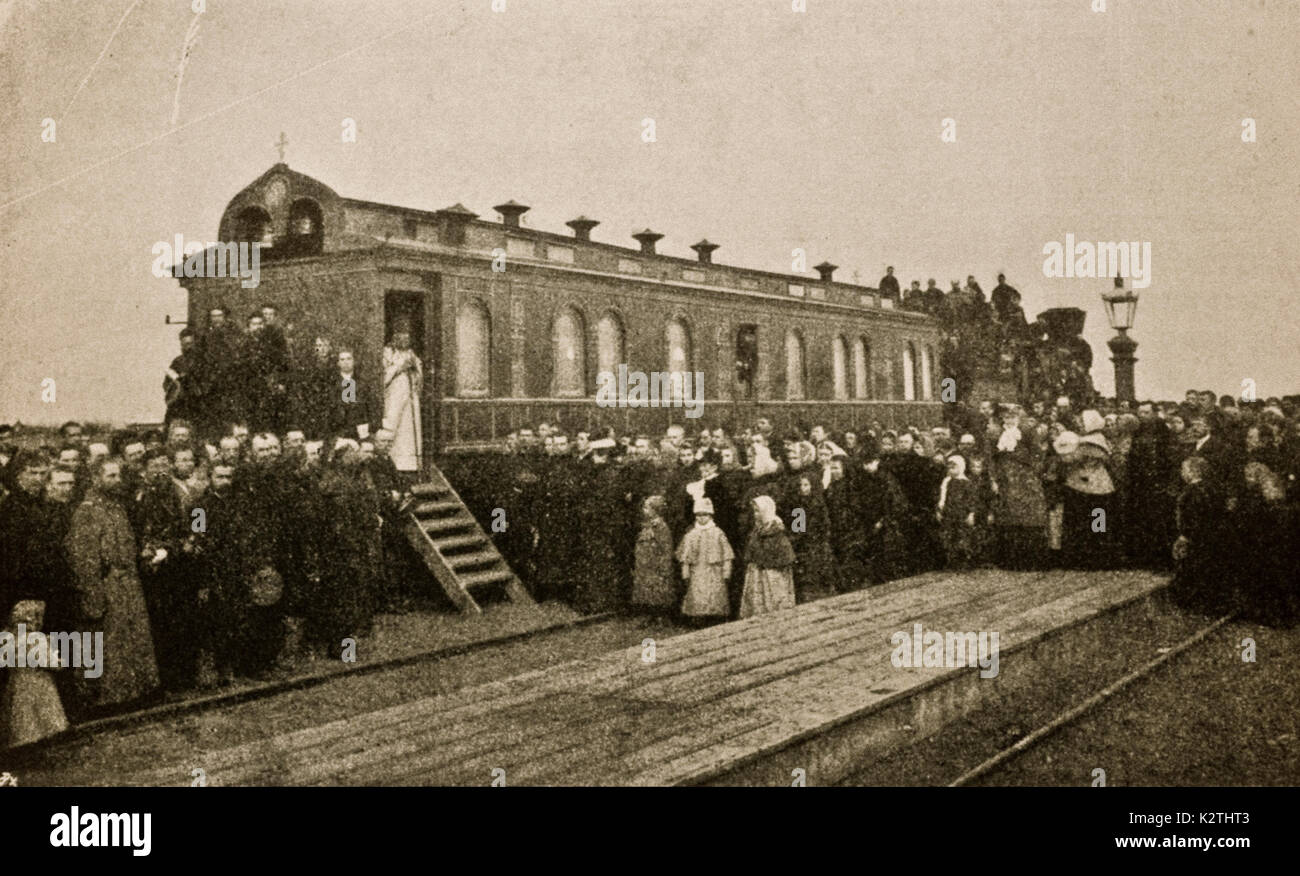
[[218, 379], [563, 489], [1004, 298], [916, 479], [722, 492], [271, 523], [932, 298], [345, 530], [520, 498], [179, 390], [264, 362], [168, 587], [1152, 473], [881, 509], [396, 561], [32, 563], [606, 534], [217, 558], [848, 536], [314, 391], [352, 402], [888, 287], [1198, 541], [21, 519]]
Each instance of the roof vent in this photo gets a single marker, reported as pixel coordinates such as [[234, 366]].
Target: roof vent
[[647, 239], [582, 227], [510, 213], [704, 250]]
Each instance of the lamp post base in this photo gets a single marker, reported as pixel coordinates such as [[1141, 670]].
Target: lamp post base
[[1122, 348]]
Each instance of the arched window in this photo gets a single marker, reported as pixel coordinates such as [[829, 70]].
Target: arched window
[[909, 372], [473, 350], [679, 354], [609, 344], [840, 367], [927, 387], [253, 224], [568, 355], [795, 384], [861, 369], [306, 227], [746, 359]]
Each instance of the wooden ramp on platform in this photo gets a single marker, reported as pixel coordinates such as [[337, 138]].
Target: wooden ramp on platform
[[746, 702], [455, 548]]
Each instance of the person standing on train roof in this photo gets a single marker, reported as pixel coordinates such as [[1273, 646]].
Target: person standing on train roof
[[889, 284]]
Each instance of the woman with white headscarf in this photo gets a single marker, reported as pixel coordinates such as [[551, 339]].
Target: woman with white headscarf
[[769, 563], [956, 514], [1021, 514]]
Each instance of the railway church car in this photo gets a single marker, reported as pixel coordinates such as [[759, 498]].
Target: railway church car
[[515, 324]]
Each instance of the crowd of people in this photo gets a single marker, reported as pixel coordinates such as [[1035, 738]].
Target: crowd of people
[[261, 379], [203, 561], [1205, 487], [200, 563], [989, 335]]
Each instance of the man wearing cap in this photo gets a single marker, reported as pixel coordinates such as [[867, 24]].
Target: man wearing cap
[[606, 535], [168, 590], [102, 555]]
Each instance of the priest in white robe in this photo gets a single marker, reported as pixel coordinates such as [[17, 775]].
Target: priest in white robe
[[403, 378]]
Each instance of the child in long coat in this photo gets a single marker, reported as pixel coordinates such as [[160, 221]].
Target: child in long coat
[[956, 514], [984, 502], [769, 559], [654, 588], [706, 558]]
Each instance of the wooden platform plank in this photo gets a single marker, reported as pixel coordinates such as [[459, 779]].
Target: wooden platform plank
[[499, 695], [575, 744], [712, 697]]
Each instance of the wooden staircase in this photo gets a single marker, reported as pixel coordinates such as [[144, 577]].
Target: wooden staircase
[[455, 548]]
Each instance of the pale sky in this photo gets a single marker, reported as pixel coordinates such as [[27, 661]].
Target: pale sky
[[774, 130]]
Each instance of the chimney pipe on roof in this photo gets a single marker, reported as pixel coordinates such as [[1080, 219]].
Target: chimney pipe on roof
[[510, 213], [451, 223], [582, 227], [825, 269], [648, 239], [704, 249]]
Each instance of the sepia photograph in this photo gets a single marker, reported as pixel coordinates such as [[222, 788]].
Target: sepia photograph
[[869, 394]]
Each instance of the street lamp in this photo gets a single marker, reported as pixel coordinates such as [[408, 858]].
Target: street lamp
[[1121, 307]]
